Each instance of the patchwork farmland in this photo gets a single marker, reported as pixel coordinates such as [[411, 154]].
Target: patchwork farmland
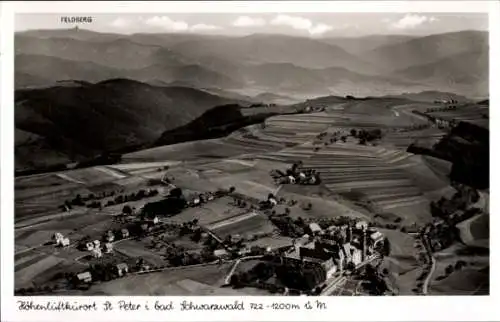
[[377, 181]]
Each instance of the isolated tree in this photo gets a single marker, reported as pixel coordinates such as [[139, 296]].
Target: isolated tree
[[353, 132], [176, 193], [343, 138], [386, 250], [460, 264], [235, 280], [232, 189], [127, 210]]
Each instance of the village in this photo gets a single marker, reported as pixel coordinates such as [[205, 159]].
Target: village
[[311, 256]]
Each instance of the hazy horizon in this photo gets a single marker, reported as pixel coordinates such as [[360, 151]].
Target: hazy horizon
[[317, 25]]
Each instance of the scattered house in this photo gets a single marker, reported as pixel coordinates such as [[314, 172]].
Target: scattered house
[[57, 237], [291, 179], [122, 269], [64, 242], [220, 252], [108, 247], [377, 237], [156, 220], [90, 246], [97, 243], [302, 176], [196, 201], [144, 227], [96, 252], [110, 237], [236, 238], [85, 277], [272, 201], [210, 196], [315, 228], [125, 233], [362, 225]]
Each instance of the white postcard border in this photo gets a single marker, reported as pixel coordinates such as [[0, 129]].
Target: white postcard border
[[456, 308]]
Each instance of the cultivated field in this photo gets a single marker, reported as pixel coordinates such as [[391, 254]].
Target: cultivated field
[[201, 280], [379, 180]]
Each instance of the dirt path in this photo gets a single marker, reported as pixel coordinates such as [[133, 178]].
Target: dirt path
[[429, 276]]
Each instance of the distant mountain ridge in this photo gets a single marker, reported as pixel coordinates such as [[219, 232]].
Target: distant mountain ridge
[[258, 63]]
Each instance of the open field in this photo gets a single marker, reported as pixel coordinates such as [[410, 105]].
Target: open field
[[476, 230], [248, 225], [473, 279], [201, 280]]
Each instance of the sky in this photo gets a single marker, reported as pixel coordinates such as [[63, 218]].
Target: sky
[[294, 24]]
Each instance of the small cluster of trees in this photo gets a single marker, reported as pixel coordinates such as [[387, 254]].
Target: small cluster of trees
[[37, 289], [415, 127], [451, 268], [299, 174], [443, 208], [365, 136], [80, 200], [141, 194], [374, 283], [289, 227], [259, 273], [301, 277], [441, 109], [179, 256]]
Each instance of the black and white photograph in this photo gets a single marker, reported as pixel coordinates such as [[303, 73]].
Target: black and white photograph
[[251, 154]]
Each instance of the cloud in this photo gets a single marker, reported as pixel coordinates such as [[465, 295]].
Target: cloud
[[320, 29], [411, 21], [169, 24], [166, 23], [120, 23], [246, 21], [203, 27], [301, 23]]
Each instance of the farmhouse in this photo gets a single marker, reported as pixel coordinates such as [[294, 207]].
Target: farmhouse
[[108, 247], [361, 225], [85, 277], [57, 237], [121, 269], [315, 228], [110, 237], [125, 233], [64, 242], [376, 237], [90, 246], [220, 252], [96, 252], [156, 220]]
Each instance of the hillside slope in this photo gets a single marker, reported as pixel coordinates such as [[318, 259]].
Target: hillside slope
[[428, 49], [85, 120]]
